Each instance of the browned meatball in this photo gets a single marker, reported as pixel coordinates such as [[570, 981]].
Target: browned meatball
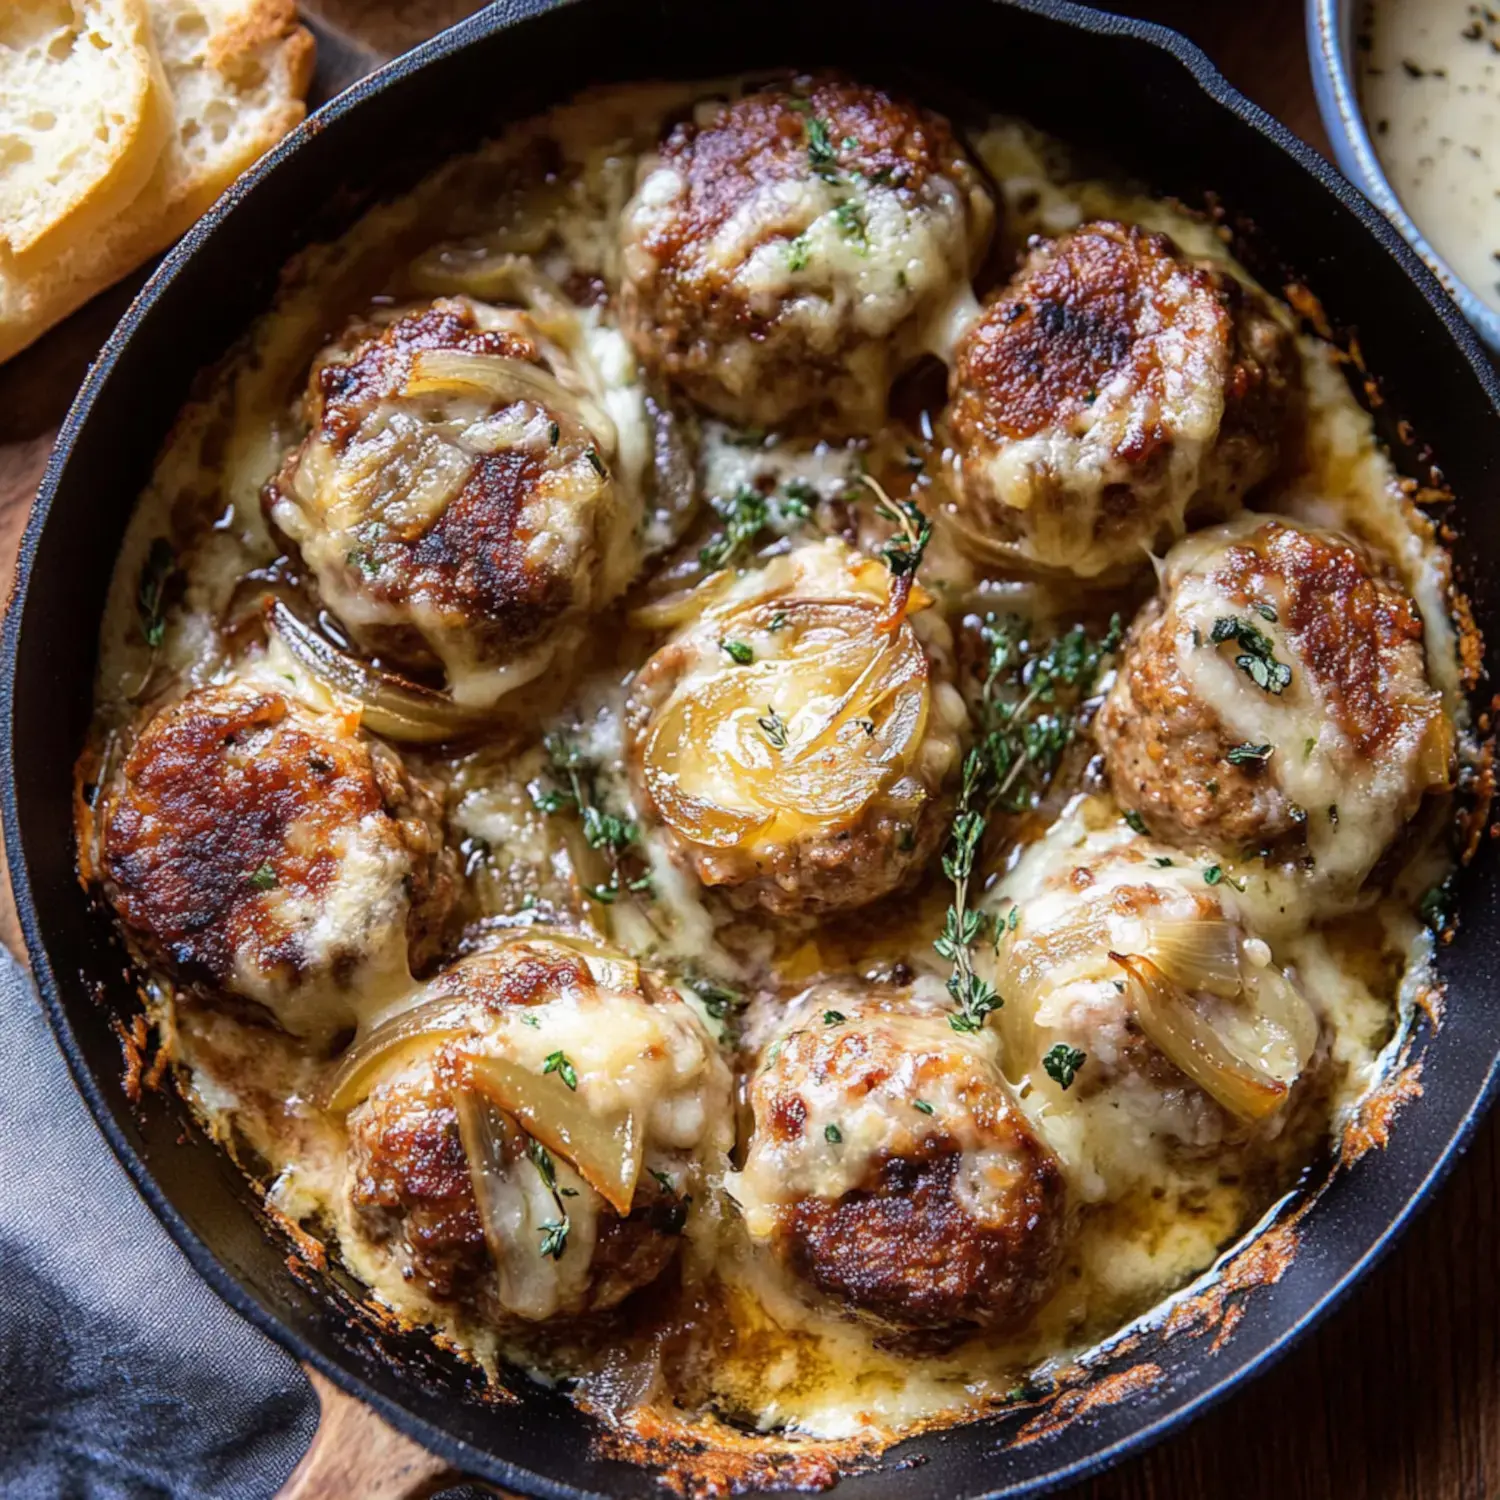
[[530, 1134], [454, 497], [1114, 392], [410, 1186], [890, 1169], [790, 750], [260, 849], [786, 253], [1276, 694]]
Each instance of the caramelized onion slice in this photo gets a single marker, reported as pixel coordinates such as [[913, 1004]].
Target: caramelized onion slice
[[719, 768], [391, 706], [404, 1037], [1241, 1084], [513, 1203], [1197, 953], [497, 377], [605, 1151]]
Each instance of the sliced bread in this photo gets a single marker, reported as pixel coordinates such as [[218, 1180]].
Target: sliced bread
[[84, 114], [238, 71]]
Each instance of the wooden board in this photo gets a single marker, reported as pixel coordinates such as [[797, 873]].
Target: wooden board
[[1397, 1396]]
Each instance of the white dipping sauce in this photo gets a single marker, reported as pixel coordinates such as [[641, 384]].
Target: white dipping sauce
[[1429, 84]]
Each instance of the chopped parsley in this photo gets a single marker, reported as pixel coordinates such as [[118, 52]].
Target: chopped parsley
[[834, 1018], [557, 1062], [1258, 657], [820, 150], [850, 218], [263, 879], [1162, 862], [1249, 754], [833, 1135], [1136, 821], [738, 651], [778, 621], [798, 253], [1062, 1064], [922, 1105]]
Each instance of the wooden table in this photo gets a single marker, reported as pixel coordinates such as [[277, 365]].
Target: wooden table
[[1397, 1396]]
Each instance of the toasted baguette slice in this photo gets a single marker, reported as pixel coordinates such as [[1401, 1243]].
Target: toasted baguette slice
[[238, 72], [84, 113]]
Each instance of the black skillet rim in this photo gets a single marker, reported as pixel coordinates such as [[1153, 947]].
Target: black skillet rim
[[461, 1455]]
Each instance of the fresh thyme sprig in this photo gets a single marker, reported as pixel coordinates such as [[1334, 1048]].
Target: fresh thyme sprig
[[1027, 713], [615, 837], [904, 552], [747, 513]]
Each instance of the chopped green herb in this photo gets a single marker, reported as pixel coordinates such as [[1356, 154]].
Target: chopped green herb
[[1249, 754], [738, 651], [598, 463], [922, 1105], [1062, 1064], [1213, 875], [1136, 821], [664, 1182], [554, 1237], [151, 591], [1162, 862], [359, 558], [798, 498], [773, 726], [778, 621], [717, 1000], [532, 1022], [834, 1018], [541, 1159], [557, 1062], [1013, 919], [833, 1135], [850, 218], [263, 879], [1265, 612], [1258, 661], [798, 253], [819, 142]]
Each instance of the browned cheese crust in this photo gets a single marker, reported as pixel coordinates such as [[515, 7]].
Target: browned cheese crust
[[495, 566], [776, 328], [1355, 633], [236, 813], [913, 1246], [409, 1178], [1164, 388]]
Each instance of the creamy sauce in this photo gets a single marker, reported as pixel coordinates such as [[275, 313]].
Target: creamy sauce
[[1429, 84], [766, 1357]]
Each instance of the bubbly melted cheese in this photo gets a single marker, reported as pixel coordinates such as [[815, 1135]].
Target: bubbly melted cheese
[[1148, 1217]]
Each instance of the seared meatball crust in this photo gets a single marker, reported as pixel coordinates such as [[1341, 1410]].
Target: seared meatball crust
[[410, 1188], [1335, 758], [450, 525], [418, 1106], [890, 1170], [259, 849], [1113, 393], [770, 806], [785, 252]]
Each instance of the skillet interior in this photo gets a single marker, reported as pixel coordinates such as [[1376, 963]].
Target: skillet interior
[[1095, 81]]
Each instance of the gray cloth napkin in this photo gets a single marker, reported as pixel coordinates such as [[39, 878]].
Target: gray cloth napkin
[[122, 1376]]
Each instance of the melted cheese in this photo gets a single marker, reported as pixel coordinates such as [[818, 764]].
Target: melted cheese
[[757, 1349]]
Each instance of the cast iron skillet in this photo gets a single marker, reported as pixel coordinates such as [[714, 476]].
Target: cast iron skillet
[[1136, 92]]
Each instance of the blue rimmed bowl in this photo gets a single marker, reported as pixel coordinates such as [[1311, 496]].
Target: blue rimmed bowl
[[1330, 47]]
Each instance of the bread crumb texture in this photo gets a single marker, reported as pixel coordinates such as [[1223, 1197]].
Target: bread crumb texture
[[218, 81]]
